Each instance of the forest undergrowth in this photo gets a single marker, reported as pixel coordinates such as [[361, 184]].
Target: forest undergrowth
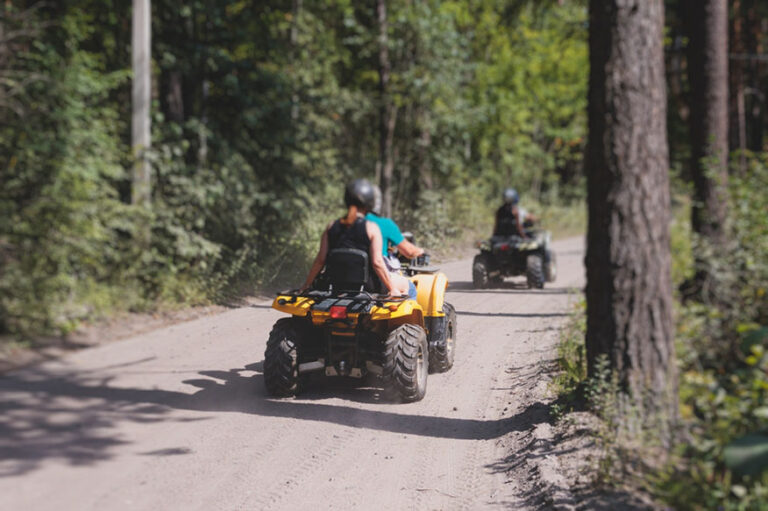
[[719, 458], [261, 113]]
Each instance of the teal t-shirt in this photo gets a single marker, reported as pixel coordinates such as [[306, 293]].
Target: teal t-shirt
[[390, 232]]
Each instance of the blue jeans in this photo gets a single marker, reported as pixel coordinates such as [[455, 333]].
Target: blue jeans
[[411, 290]]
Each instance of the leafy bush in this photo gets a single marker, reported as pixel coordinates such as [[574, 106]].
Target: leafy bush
[[722, 351], [721, 461], [260, 115], [62, 225]]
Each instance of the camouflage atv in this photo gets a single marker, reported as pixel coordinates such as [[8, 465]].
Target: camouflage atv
[[510, 256]]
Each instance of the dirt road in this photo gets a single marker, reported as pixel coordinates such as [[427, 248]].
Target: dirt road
[[178, 418]]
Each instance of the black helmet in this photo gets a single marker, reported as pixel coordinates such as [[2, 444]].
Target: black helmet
[[360, 193], [377, 200], [510, 196]]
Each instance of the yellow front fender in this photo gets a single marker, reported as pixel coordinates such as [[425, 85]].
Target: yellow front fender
[[397, 310], [430, 289]]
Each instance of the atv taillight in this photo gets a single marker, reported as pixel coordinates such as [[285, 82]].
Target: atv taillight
[[504, 247], [338, 312]]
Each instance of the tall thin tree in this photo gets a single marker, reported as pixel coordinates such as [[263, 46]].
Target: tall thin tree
[[387, 113], [141, 99], [708, 78], [629, 291]]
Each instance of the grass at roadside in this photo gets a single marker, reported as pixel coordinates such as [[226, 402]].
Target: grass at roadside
[[565, 220]]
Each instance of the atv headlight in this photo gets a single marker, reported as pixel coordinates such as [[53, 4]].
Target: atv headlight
[[532, 245]]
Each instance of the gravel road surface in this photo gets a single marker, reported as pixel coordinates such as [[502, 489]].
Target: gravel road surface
[[178, 418]]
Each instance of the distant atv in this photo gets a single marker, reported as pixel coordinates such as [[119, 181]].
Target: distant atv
[[342, 329], [510, 256]]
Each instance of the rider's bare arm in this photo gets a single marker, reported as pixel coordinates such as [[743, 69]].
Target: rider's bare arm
[[520, 229], [409, 250], [322, 253], [377, 261]]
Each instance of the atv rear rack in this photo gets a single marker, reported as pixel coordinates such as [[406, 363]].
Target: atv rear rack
[[330, 297]]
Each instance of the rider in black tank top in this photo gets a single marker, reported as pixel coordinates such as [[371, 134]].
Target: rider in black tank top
[[354, 235], [357, 233], [349, 236]]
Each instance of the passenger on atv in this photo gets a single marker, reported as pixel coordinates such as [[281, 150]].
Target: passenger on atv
[[392, 237], [351, 324], [353, 231]]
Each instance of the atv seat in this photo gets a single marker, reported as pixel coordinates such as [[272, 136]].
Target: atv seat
[[347, 269]]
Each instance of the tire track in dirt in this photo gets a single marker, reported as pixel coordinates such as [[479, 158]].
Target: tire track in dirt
[[311, 460]]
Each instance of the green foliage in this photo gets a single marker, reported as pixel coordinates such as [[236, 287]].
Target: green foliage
[[681, 244], [722, 351], [531, 95], [720, 462], [571, 354], [60, 216], [261, 114], [748, 455]]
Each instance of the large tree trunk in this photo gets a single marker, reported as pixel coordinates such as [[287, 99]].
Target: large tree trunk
[[387, 113], [708, 78], [629, 292]]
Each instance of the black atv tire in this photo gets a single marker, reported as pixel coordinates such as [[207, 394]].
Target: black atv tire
[[480, 278], [406, 363], [441, 356], [281, 358], [550, 268], [534, 271]]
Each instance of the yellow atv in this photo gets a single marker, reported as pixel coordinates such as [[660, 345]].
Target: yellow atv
[[341, 328]]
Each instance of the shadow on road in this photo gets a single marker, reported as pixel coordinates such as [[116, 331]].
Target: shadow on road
[[75, 418], [463, 286], [514, 314]]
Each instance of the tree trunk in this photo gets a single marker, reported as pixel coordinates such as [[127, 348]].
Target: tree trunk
[[736, 121], [708, 78], [173, 106], [629, 291], [295, 13], [425, 181], [752, 36], [387, 113], [141, 99]]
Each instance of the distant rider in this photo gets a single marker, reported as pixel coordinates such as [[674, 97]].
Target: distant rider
[[391, 235], [354, 231], [509, 217]]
